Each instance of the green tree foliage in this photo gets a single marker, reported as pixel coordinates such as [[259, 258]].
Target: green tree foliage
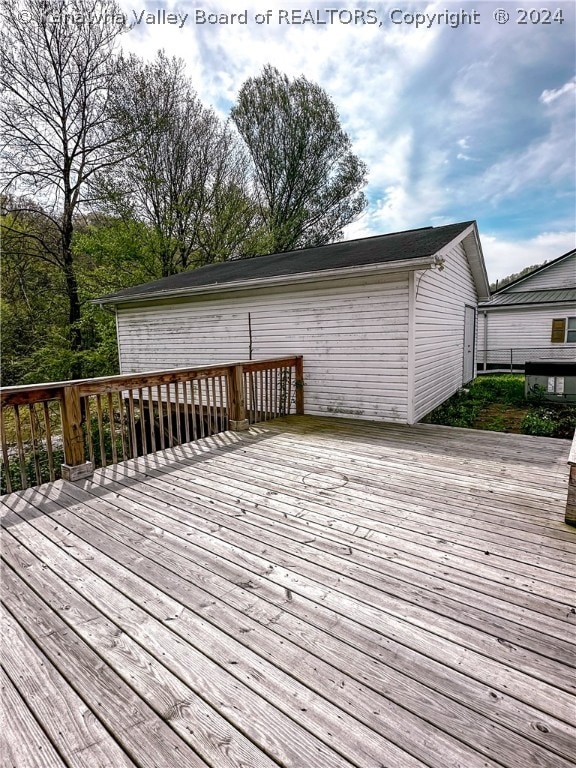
[[35, 343], [307, 179], [186, 172], [55, 77]]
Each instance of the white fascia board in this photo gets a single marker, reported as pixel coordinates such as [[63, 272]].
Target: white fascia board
[[340, 273]]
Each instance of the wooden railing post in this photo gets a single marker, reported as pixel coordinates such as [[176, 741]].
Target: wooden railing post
[[237, 420], [570, 517], [299, 383], [75, 467]]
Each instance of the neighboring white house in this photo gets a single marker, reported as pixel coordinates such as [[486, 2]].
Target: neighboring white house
[[530, 319], [386, 324]]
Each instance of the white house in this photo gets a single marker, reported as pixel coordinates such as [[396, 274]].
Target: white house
[[532, 318], [386, 324]]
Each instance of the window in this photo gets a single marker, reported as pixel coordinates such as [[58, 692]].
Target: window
[[571, 331], [564, 330], [558, 330]]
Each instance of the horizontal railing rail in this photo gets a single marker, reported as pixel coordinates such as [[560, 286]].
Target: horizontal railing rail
[[67, 429], [515, 358]]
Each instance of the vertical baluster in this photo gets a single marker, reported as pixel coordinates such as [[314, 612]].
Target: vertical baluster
[[193, 392], [208, 407], [5, 456], [275, 393], [112, 428], [246, 385], [252, 406], [123, 424], [186, 413], [142, 415], [132, 424], [48, 433], [289, 392], [178, 414], [21, 455], [169, 414], [34, 440], [203, 384], [245, 382], [271, 386], [201, 408], [88, 422], [261, 416], [103, 462], [152, 421], [161, 417], [215, 427], [223, 425]]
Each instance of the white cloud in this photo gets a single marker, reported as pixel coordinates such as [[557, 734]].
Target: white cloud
[[549, 96]]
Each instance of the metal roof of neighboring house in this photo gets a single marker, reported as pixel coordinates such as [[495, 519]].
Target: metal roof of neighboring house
[[554, 296], [381, 249]]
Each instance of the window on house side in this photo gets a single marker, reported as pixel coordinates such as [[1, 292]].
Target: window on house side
[[571, 330]]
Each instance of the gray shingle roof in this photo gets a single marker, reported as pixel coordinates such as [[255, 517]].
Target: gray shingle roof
[[553, 296], [412, 244]]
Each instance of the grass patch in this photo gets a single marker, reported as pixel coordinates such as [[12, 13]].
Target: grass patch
[[497, 403]]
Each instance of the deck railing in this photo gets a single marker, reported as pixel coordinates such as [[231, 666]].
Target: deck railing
[[67, 429]]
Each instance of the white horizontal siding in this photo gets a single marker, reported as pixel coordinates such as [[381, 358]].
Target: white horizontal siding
[[353, 336], [440, 300], [521, 328], [560, 275]]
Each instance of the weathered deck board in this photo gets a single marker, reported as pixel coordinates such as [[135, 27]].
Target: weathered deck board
[[24, 744], [313, 592], [53, 701]]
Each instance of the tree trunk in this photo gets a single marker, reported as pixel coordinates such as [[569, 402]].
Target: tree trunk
[[74, 331]]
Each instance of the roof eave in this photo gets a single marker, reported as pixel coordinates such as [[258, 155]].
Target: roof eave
[[527, 305], [471, 242], [339, 273]]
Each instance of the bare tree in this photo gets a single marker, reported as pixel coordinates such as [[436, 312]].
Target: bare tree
[[57, 66], [188, 178], [308, 180]]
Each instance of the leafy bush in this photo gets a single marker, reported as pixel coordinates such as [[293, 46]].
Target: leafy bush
[[536, 424], [551, 420]]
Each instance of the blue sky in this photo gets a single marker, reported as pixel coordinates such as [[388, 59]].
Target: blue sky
[[475, 121]]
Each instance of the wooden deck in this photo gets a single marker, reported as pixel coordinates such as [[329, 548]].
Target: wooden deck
[[313, 593]]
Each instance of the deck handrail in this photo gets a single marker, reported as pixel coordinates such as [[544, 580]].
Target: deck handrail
[[570, 517], [137, 413]]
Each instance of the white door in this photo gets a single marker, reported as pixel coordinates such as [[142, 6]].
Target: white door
[[469, 333]]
